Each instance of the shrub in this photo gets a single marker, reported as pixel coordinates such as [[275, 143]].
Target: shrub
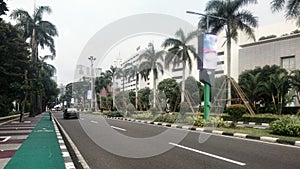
[[287, 125], [113, 114], [199, 121], [130, 109], [168, 118], [184, 108], [216, 122], [143, 116], [236, 111]]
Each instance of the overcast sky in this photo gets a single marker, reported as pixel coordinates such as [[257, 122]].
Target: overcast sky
[[77, 21]]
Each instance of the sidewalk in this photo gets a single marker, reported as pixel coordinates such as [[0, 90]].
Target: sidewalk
[[41, 149]]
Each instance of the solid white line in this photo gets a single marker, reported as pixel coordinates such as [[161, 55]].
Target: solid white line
[[118, 128], [94, 122], [208, 154]]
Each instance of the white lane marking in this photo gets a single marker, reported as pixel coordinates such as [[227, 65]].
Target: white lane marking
[[118, 128], [208, 154], [94, 122]]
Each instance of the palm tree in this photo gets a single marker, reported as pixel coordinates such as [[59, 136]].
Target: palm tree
[[292, 8], [103, 82], [180, 52], [151, 63], [41, 34], [252, 86], [235, 18], [295, 82], [133, 72], [112, 72]]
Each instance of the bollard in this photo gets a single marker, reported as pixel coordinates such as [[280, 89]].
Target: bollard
[[50, 114]]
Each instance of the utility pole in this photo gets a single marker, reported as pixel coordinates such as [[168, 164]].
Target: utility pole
[[207, 86], [92, 59]]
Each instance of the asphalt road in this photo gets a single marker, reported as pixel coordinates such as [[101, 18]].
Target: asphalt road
[[116, 144]]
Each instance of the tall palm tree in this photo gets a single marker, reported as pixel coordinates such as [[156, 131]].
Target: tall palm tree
[[291, 7], [235, 18], [103, 82], [179, 51], [112, 72], [40, 33], [133, 72], [151, 62]]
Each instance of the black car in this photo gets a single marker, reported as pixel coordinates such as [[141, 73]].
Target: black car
[[71, 113]]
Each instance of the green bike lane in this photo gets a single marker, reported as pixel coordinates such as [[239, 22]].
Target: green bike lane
[[41, 150]]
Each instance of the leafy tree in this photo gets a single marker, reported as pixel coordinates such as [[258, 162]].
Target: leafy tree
[[133, 72], [113, 71], [180, 52], [3, 8], [170, 88], [40, 33], [151, 62], [295, 82], [194, 89], [235, 18], [144, 95], [104, 82], [291, 7], [14, 68], [252, 86]]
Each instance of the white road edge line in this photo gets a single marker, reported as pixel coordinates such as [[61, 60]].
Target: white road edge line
[[118, 128], [208, 154]]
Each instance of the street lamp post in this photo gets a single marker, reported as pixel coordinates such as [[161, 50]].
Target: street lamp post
[[92, 59], [206, 85]]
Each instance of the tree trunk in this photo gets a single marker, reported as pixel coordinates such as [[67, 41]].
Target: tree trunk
[[154, 90], [136, 91], [183, 82], [25, 97], [228, 65]]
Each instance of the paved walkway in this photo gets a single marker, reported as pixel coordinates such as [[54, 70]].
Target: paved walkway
[[33, 144]]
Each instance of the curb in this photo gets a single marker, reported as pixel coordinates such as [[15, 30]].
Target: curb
[[65, 153], [218, 132], [71, 145]]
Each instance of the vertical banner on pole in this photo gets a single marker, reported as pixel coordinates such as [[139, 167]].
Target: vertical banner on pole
[[207, 59], [207, 64]]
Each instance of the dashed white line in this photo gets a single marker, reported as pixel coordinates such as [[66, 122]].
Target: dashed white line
[[118, 128], [94, 122], [208, 154]]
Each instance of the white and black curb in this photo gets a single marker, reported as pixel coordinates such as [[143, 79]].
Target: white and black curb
[[218, 132], [65, 153], [68, 160]]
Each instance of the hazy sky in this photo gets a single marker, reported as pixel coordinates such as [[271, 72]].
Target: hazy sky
[[77, 21]]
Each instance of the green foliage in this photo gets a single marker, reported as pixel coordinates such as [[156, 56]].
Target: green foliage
[[14, 63], [216, 122], [184, 108], [130, 108], [199, 121], [236, 112], [258, 118], [295, 32], [113, 114], [170, 88], [287, 125], [168, 118], [143, 116], [144, 98], [267, 37]]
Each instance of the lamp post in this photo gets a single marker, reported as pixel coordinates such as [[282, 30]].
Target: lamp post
[[206, 84], [92, 59]]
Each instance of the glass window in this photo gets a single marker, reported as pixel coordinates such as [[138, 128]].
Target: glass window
[[288, 62]]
